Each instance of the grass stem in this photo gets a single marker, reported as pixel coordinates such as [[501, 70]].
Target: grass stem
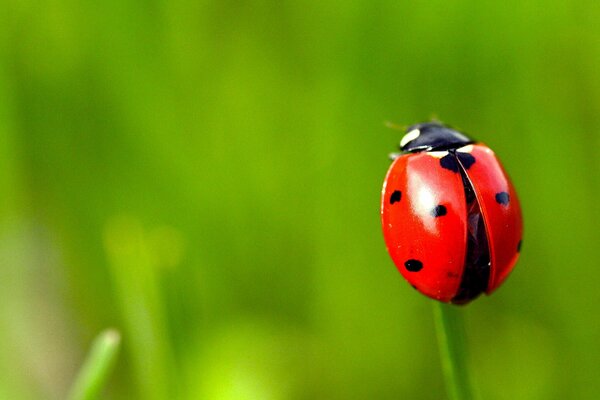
[[453, 351], [93, 374]]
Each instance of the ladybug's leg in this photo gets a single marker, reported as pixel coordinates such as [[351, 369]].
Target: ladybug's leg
[[393, 156]]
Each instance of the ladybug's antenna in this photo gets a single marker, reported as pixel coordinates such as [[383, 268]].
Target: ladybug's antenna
[[434, 118], [391, 125]]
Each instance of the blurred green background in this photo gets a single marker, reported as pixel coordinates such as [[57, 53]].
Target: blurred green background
[[205, 177]]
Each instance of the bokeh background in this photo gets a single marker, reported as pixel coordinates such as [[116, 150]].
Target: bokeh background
[[205, 177]]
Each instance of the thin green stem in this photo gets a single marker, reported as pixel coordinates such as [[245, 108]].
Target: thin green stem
[[96, 368], [453, 351]]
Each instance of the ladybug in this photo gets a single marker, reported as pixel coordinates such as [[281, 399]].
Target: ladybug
[[451, 217]]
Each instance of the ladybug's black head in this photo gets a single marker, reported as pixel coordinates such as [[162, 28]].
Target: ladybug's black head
[[432, 136]]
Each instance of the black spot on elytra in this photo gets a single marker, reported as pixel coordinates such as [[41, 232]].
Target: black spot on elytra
[[466, 159], [413, 265], [502, 198], [519, 246], [449, 161], [395, 197], [439, 211]]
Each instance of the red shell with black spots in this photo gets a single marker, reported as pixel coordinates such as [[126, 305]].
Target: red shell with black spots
[[425, 218], [412, 230]]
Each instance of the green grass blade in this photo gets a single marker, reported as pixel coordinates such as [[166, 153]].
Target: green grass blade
[[453, 351], [94, 372]]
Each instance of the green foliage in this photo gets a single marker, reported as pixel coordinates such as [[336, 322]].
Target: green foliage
[[205, 177], [94, 373]]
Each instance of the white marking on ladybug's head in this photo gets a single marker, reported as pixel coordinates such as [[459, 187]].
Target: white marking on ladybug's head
[[437, 154], [410, 136], [466, 149]]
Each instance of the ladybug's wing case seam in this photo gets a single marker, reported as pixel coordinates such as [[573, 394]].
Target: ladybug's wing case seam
[[501, 212]]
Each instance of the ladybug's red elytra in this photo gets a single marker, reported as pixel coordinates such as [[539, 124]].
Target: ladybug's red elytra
[[451, 217]]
